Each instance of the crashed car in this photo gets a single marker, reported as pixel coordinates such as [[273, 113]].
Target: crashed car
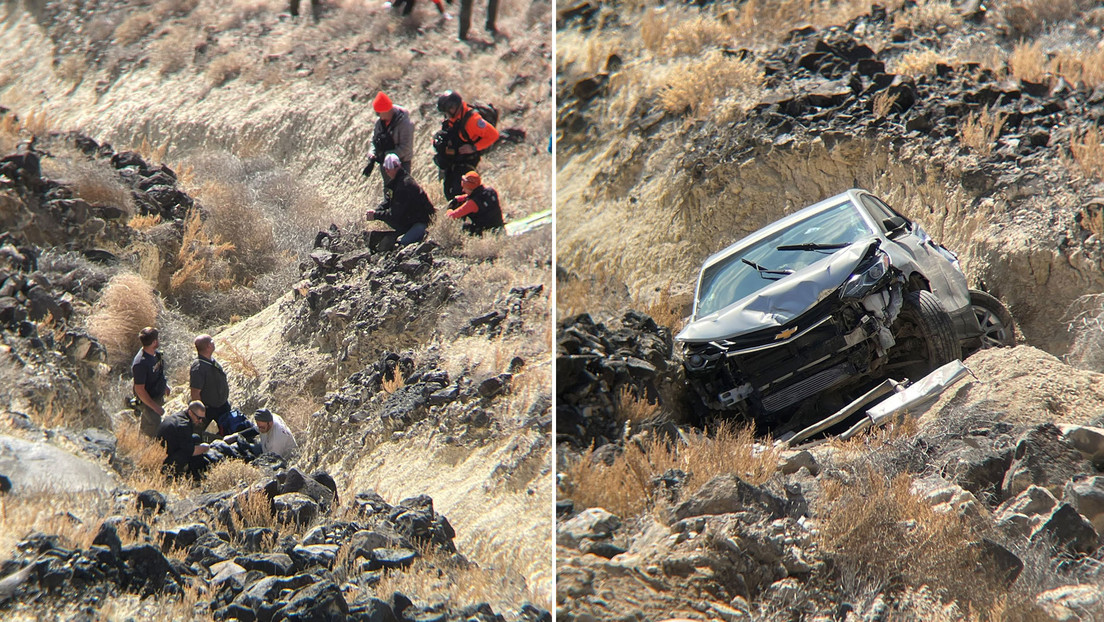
[[831, 298]]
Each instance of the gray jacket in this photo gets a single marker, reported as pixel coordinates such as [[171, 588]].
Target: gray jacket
[[401, 130]]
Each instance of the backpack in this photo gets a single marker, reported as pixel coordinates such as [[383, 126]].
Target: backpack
[[231, 422], [487, 111]]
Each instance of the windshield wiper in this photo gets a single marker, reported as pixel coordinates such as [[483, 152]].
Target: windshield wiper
[[812, 246], [765, 273]]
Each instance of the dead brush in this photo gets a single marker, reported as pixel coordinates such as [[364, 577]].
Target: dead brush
[[239, 361], [981, 130], [144, 222], [692, 37], [929, 16], [625, 487], [126, 306], [99, 185], [72, 515], [666, 309], [914, 64], [1080, 66], [235, 216], [174, 51], [1028, 62], [229, 475], [434, 578], [392, 383], [884, 103], [1088, 153], [878, 532], [254, 510], [133, 28], [697, 85], [632, 408], [225, 68], [196, 261]]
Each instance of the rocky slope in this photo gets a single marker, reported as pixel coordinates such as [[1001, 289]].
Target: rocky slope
[[976, 508], [419, 378]]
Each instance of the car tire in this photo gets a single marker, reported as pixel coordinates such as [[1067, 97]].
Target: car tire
[[925, 336], [998, 329]]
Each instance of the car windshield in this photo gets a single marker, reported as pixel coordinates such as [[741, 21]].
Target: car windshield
[[748, 270]]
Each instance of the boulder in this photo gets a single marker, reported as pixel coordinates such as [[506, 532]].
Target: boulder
[[1070, 603], [391, 558], [1067, 529], [1088, 440], [150, 572], [725, 494], [318, 601], [1043, 458], [45, 467], [1086, 495], [268, 563], [295, 507], [590, 524]]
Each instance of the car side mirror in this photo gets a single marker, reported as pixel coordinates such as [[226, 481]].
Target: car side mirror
[[895, 225]]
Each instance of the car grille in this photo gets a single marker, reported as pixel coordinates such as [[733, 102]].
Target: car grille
[[806, 388]]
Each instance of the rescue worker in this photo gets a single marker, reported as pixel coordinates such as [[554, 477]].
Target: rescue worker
[[316, 9], [184, 455], [479, 205], [150, 386], [465, 17], [207, 380], [393, 133], [405, 208], [463, 136]]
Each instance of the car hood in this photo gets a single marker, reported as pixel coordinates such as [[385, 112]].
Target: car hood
[[780, 302]]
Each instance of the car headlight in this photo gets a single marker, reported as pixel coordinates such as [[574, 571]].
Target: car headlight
[[866, 277]]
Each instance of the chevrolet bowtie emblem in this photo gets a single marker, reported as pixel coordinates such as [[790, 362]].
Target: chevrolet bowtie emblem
[[786, 334]]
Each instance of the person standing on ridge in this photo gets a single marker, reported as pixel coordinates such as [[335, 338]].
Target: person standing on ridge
[[393, 133], [463, 136], [207, 380], [150, 385], [465, 17], [479, 204]]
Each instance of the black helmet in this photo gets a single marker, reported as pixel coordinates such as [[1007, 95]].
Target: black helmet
[[448, 100]]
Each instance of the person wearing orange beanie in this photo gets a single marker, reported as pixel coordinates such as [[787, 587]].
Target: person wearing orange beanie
[[393, 133], [479, 205]]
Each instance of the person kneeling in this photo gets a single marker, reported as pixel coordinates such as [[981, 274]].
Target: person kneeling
[[405, 208], [184, 454], [479, 204]]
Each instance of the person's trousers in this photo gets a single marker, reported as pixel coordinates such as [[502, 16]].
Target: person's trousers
[[150, 421], [466, 12], [413, 234], [293, 8]]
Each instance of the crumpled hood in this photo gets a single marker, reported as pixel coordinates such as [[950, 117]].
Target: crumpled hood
[[780, 301]]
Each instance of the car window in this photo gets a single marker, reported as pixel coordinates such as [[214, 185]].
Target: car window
[[731, 279], [878, 209]]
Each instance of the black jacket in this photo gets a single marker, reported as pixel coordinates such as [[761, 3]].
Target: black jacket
[[404, 203], [175, 434], [489, 216]]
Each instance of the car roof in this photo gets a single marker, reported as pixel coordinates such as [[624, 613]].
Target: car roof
[[785, 222]]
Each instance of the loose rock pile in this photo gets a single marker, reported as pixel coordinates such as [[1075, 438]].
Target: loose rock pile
[[255, 573], [595, 363]]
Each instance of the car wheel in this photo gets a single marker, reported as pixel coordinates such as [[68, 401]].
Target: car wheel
[[998, 329], [925, 337]]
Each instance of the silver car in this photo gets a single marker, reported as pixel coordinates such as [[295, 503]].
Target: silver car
[[828, 299]]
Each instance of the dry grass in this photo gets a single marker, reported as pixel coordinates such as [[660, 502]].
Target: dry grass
[[1028, 62], [230, 474], [981, 130], [144, 223], [226, 67], [72, 68], [126, 306], [929, 16], [239, 361], [667, 309], [1088, 153], [134, 27], [625, 489], [236, 217], [691, 38], [1021, 18], [632, 408], [98, 184], [915, 64], [392, 383], [1081, 66], [698, 85], [73, 516], [598, 293], [254, 510], [199, 264], [434, 579], [879, 533]]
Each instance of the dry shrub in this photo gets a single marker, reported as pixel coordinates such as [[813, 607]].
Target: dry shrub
[[625, 489], [878, 533], [981, 130], [436, 579], [229, 474], [1088, 153], [254, 510], [99, 185], [917, 64], [667, 309], [126, 306], [597, 293], [226, 68], [447, 233], [392, 383], [693, 36], [634, 409], [133, 28], [144, 222], [73, 516], [1020, 18], [238, 360], [697, 85], [1081, 66], [200, 258], [928, 16], [883, 104], [235, 217], [1028, 62], [654, 27], [71, 68]]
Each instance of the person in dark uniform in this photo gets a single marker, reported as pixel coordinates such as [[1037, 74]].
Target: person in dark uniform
[[184, 454], [316, 9], [207, 380], [405, 208], [463, 136], [479, 205], [150, 386], [466, 13]]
